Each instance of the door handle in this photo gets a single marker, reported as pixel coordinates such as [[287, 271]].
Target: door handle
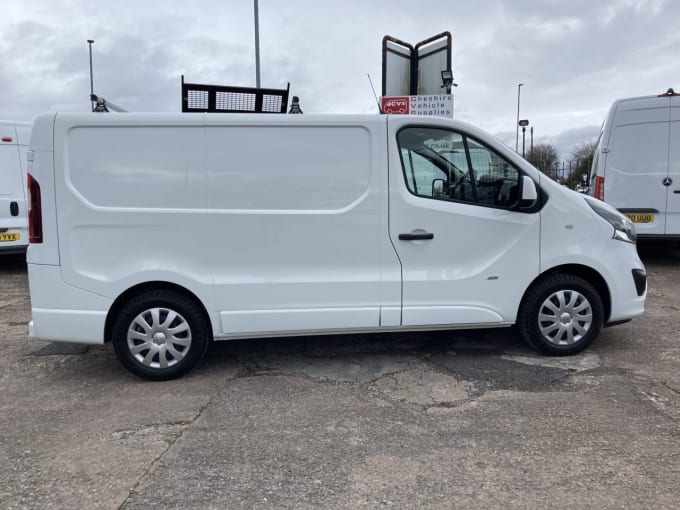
[[676, 191], [416, 236]]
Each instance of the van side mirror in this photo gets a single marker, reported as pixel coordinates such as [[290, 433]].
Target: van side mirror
[[437, 188], [529, 193]]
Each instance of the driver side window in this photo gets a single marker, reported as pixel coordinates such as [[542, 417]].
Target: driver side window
[[446, 165]]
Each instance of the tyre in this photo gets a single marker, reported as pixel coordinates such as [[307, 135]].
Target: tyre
[[160, 334], [561, 315]]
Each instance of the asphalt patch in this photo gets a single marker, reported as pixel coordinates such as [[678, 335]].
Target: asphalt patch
[[61, 349], [488, 372]]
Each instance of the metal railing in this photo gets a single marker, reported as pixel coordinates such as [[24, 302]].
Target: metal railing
[[199, 97]]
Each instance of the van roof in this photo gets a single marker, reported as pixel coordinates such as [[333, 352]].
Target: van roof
[[645, 101]]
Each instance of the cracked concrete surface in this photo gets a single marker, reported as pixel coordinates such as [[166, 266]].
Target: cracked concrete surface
[[428, 420], [578, 363], [423, 388]]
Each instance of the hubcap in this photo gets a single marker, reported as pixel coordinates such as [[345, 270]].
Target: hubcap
[[159, 338], [565, 317]]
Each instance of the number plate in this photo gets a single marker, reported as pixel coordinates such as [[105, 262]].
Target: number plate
[[641, 218], [9, 236]]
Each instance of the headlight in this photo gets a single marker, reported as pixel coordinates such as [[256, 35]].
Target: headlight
[[624, 230]]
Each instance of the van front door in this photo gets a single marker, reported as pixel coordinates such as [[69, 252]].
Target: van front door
[[467, 253]]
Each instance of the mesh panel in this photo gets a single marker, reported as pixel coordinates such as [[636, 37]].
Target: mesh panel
[[271, 103], [235, 101], [197, 99], [221, 98]]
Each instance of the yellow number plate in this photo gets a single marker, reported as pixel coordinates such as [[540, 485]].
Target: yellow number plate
[[641, 218], [9, 236]]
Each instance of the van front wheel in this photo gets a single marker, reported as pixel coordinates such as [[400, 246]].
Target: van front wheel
[[561, 315], [160, 335]]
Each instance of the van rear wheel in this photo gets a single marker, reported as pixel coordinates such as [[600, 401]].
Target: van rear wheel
[[160, 335], [561, 315]]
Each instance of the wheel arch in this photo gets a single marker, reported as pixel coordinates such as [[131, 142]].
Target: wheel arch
[[140, 288], [587, 273]]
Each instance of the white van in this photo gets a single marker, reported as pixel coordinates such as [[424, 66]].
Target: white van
[[636, 167], [160, 233], [14, 138]]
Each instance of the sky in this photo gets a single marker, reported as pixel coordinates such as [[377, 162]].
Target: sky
[[575, 57]]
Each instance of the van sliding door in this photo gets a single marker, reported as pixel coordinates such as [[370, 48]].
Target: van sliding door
[[637, 164], [673, 201]]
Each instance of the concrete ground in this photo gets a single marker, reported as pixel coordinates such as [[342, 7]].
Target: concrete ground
[[438, 420]]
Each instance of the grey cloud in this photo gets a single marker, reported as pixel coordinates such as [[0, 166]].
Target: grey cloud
[[575, 57]]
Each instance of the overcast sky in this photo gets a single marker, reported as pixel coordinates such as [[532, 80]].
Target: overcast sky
[[575, 57]]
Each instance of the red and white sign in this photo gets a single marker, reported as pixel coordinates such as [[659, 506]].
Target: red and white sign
[[440, 105], [396, 105]]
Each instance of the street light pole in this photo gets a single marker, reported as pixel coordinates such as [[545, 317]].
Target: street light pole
[[519, 88], [257, 46]]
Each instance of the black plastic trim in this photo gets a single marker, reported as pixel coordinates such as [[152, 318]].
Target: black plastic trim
[[640, 279], [638, 211], [617, 323]]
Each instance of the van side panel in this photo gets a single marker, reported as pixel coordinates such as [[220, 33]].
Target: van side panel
[[297, 223], [131, 197], [673, 209], [637, 161]]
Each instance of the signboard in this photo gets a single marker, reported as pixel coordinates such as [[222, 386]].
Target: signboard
[[440, 105], [409, 69]]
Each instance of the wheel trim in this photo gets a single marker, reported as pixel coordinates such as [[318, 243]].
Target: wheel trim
[[565, 317], [159, 338]]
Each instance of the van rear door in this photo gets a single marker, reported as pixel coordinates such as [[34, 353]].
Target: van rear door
[[673, 210], [636, 166], [13, 236]]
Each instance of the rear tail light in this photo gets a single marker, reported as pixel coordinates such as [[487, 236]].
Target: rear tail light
[[35, 232], [599, 187]]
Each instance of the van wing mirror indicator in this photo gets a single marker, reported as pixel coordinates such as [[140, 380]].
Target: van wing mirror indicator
[[529, 192]]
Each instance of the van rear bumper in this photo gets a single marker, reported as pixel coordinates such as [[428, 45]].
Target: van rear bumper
[[61, 312], [76, 326]]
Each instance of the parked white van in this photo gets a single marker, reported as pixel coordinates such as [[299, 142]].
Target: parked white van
[[636, 167], [14, 138], [160, 233]]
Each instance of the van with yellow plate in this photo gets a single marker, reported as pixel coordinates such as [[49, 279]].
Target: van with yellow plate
[[14, 138], [636, 167]]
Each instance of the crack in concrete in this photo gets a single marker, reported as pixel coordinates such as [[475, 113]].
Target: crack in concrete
[[183, 426], [667, 385]]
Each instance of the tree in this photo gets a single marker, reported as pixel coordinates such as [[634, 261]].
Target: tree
[[582, 156], [544, 157]]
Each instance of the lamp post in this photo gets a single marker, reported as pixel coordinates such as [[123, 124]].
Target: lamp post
[[257, 46], [524, 123], [519, 88]]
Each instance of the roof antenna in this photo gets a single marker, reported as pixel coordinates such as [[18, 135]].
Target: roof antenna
[[89, 42], [374, 94]]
